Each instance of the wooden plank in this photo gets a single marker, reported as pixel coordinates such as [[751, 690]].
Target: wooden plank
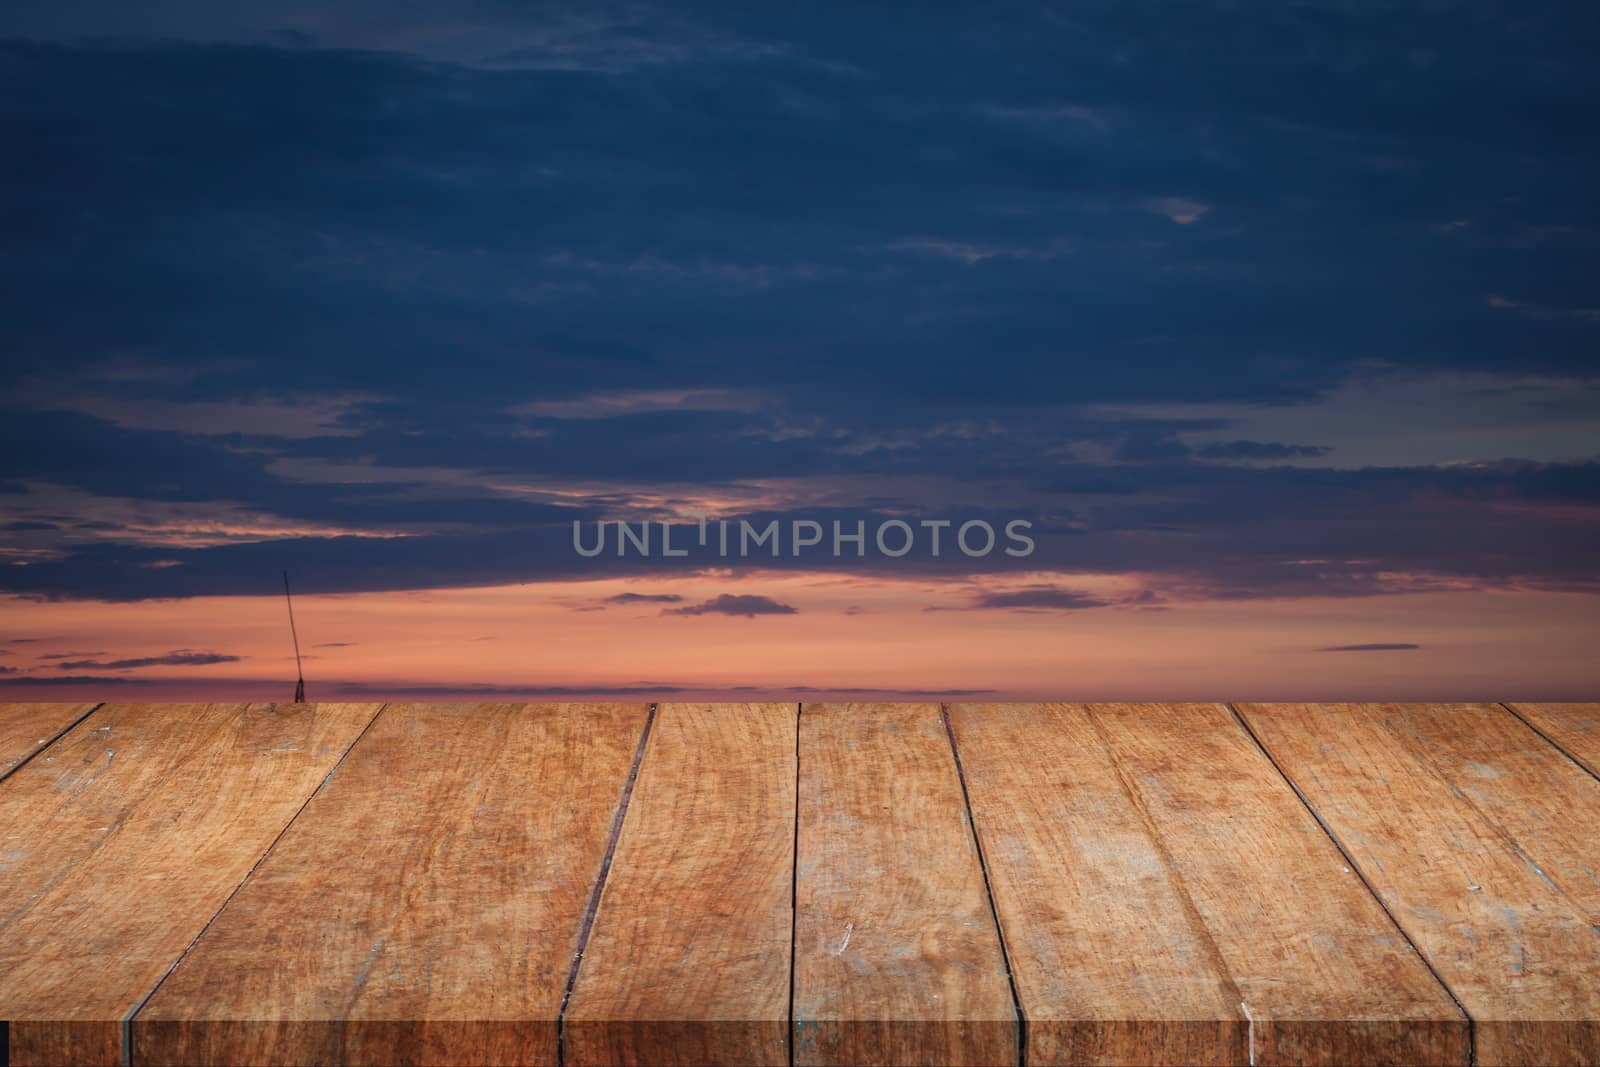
[[1575, 727], [1480, 838], [689, 959], [27, 728], [424, 908], [897, 959], [124, 839], [1165, 898]]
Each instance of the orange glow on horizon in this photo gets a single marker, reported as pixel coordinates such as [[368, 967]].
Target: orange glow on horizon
[[899, 637]]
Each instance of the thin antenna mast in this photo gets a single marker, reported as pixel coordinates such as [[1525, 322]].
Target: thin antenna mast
[[300, 675]]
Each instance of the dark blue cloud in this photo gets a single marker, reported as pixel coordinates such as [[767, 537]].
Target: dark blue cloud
[[180, 658], [1046, 598], [346, 214], [1259, 450], [70, 680], [741, 605], [1188, 529], [1396, 646], [927, 271]]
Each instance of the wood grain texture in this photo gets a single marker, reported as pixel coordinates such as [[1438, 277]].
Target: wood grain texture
[[1165, 898], [1575, 727], [688, 961], [424, 908], [123, 840], [1480, 837], [897, 959], [25, 729]]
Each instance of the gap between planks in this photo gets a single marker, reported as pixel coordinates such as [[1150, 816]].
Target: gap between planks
[[1552, 742], [127, 1020], [794, 882], [23, 762], [1472, 1026], [592, 908], [988, 891]]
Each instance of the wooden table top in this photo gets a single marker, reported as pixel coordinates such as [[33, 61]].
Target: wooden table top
[[812, 884]]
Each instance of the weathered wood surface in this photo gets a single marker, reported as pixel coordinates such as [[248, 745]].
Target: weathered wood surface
[[124, 838], [1480, 837], [897, 959], [1165, 898], [27, 728], [423, 909], [689, 958], [190, 880], [1574, 727]]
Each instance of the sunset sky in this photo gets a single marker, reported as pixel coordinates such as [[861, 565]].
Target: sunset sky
[[1280, 322]]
